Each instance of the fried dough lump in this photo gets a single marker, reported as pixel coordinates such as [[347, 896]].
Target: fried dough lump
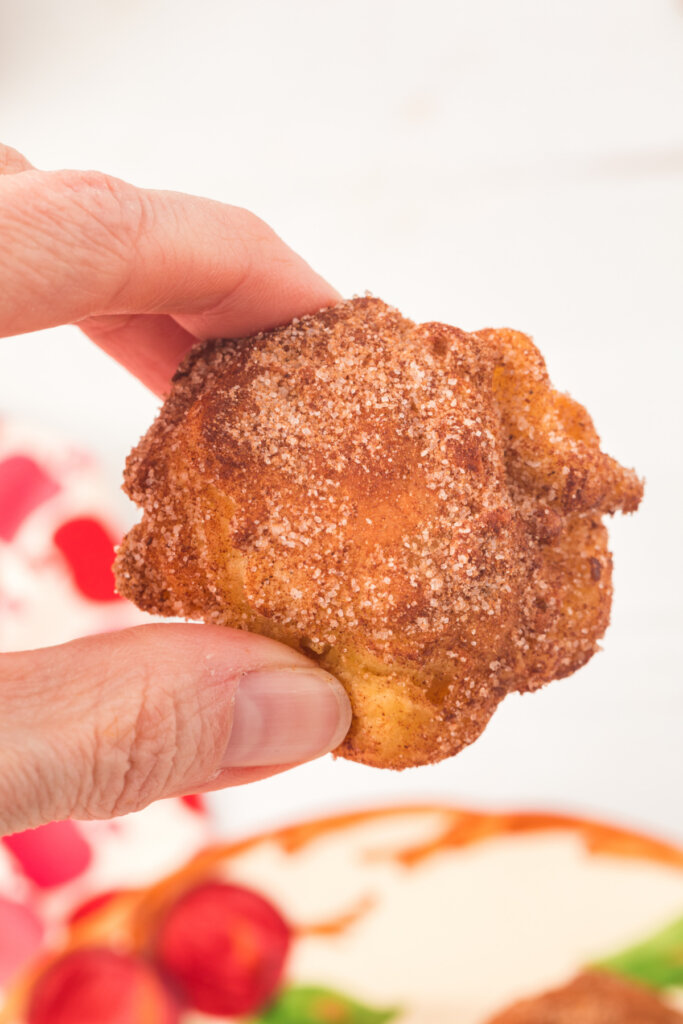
[[592, 998], [413, 507]]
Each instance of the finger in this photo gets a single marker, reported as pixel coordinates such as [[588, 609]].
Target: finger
[[78, 244], [12, 162], [105, 725], [149, 345]]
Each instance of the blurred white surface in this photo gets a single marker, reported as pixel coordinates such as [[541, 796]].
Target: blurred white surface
[[506, 162]]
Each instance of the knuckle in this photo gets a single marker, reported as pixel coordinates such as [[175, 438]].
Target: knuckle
[[112, 208], [11, 161], [149, 755], [144, 727], [105, 218], [87, 185]]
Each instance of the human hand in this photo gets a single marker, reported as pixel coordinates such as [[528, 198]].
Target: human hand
[[107, 724]]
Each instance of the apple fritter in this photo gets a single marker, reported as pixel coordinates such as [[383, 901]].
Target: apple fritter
[[412, 506], [593, 997]]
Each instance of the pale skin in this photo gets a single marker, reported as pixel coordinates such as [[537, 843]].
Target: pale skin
[[108, 724]]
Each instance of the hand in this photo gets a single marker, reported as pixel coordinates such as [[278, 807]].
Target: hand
[[107, 724]]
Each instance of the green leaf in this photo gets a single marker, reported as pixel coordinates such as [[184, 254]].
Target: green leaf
[[657, 962], [313, 1005]]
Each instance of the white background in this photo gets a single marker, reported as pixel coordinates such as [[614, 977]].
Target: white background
[[493, 162]]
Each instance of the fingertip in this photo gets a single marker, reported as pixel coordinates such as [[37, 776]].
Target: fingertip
[[262, 303], [286, 716]]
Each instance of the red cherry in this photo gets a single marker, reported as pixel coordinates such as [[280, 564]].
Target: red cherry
[[224, 948], [98, 986]]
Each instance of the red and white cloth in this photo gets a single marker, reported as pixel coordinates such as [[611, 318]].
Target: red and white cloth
[[57, 540]]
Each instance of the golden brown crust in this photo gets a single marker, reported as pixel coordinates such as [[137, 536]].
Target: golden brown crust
[[594, 997], [412, 506]]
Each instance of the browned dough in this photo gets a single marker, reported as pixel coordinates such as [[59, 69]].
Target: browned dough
[[592, 998], [413, 507]]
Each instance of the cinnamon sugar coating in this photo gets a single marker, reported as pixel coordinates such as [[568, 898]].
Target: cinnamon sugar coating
[[593, 997], [412, 506]]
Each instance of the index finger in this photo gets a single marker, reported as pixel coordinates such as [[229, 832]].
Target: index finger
[[75, 244]]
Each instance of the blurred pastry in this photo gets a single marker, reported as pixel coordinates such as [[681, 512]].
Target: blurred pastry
[[594, 997]]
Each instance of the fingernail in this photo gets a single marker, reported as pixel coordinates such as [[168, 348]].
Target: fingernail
[[286, 715]]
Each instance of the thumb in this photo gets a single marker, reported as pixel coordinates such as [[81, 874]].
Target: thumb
[[105, 725]]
